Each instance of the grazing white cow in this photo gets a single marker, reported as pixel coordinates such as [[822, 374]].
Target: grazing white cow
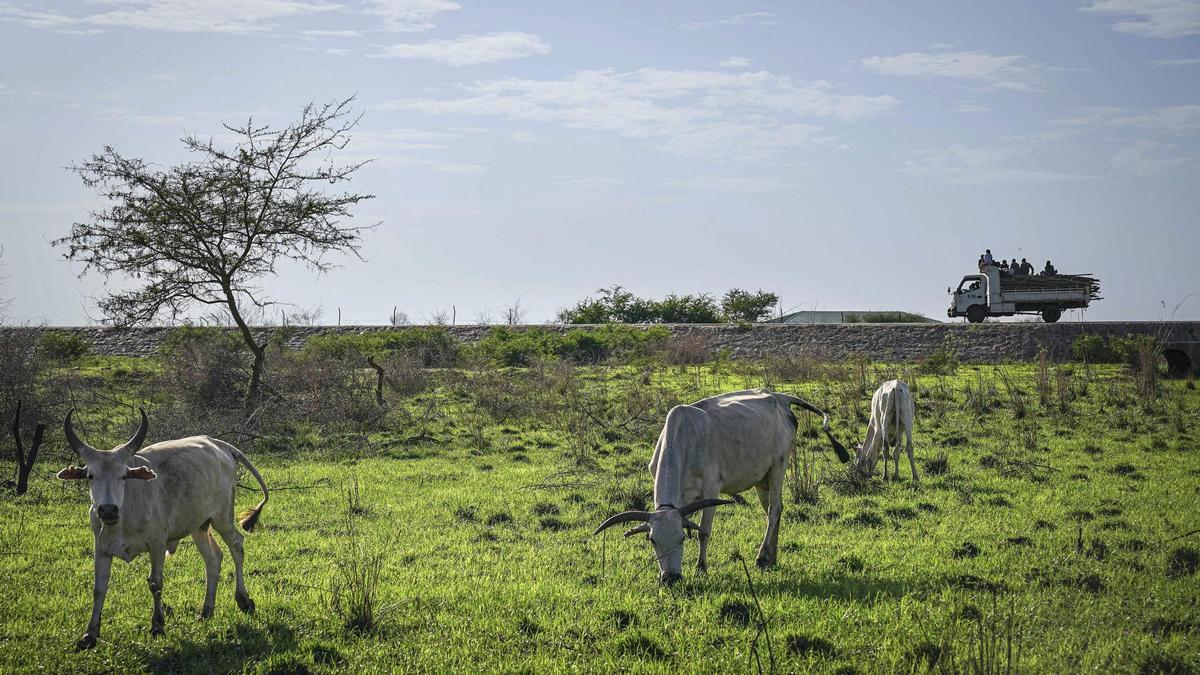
[[724, 444], [891, 413], [147, 499]]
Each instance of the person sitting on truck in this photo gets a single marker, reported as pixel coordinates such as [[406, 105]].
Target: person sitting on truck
[[1003, 267], [987, 257], [1016, 268], [981, 263], [1026, 268], [1049, 271]]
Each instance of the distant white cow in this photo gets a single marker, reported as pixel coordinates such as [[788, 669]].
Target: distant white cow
[[891, 413], [147, 499], [724, 444]]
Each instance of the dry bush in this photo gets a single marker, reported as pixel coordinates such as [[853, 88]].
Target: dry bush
[[1016, 397], [204, 369], [686, 350], [1043, 378], [802, 480], [319, 389], [803, 368]]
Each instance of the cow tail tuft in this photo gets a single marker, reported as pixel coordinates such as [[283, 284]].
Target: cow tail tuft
[[249, 518]]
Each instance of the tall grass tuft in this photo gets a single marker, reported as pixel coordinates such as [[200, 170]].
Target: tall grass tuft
[[355, 594], [802, 480]]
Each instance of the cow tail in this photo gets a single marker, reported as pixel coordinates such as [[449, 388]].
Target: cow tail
[[838, 448], [249, 518]]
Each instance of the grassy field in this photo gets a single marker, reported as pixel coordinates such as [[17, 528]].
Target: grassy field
[[1045, 537]]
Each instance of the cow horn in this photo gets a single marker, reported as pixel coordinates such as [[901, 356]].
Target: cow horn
[[134, 444], [82, 449], [641, 516], [702, 504], [693, 526]]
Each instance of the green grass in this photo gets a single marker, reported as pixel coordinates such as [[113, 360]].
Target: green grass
[[484, 568]]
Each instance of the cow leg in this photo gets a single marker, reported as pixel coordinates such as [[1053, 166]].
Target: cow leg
[[212, 568], [912, 463], [103, 566], [896, 460], [158, 557], [233, 539], [706, 519], [770, 544]]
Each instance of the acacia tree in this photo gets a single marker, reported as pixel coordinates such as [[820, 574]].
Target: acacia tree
[[205, 232]]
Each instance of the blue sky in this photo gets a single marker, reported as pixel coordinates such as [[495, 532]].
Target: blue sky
[[844, 155]]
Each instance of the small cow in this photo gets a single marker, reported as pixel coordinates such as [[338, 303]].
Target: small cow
[[723, 444], [891, 413], [147, 499]]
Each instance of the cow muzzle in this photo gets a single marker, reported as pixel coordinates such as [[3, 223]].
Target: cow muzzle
[[670, 578], [108, 513]]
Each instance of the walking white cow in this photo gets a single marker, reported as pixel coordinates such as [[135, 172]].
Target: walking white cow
[[891, 412], [147, 499], [723, 444]]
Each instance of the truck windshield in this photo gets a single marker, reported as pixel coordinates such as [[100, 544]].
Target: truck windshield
[[968, 284]]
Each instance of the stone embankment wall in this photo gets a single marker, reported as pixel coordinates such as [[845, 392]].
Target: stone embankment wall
[[977, 343]]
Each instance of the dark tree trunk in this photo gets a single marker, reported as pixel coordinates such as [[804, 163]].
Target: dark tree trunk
[[379, 374], [25, 461], [254, 390]]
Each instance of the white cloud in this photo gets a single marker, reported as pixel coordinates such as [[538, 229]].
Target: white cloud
[[746, 19], [1151, 18], [202, 16], [981, 165], [1179, 119], [969, 107], [742, 185], [748, 116], [410, 16], [327, 50], [331, 33], [1176, 62], [735, 62], [1146, 158], [599, 183], [1013, 72], [470, 50]]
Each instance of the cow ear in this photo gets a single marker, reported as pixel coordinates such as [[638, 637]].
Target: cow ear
[[141, 473], [73, 473]]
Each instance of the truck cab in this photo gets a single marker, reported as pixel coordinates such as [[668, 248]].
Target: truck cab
[[970, 299]]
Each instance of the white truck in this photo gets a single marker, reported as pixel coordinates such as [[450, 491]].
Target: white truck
[[996, 293]]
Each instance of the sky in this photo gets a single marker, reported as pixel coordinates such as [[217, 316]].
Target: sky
[[844, 155]]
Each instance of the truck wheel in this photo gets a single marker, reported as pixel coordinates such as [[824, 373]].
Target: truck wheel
[[1051, 314], [976, 313]]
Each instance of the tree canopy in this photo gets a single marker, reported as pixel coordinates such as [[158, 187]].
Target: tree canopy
[[206, 231]]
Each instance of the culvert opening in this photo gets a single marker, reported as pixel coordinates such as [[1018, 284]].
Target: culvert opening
[[1178, 363]]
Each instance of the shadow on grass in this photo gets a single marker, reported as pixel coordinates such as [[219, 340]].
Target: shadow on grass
[[863, 590], [225, 653]]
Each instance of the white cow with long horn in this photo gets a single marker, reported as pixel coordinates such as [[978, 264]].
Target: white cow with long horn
[[144, 500], [723, 444]]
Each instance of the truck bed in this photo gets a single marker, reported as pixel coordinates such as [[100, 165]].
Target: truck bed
[[1039, 286]]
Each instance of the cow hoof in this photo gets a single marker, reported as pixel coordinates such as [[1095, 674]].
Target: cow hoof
[[156, 631], [764, 563], [88, 641], [206, 613], [702, 569], [245, 604]]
